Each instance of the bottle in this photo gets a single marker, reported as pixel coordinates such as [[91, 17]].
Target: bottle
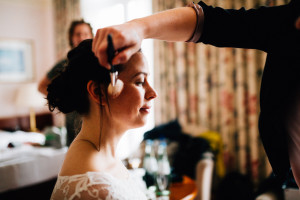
[[150, 164], [164, 170], [146, 161]]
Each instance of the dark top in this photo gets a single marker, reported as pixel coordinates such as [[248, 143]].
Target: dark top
[[270, 29], [58, 67], [190, 149]]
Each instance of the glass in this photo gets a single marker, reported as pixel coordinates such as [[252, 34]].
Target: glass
[[162, 181], [163, 171]]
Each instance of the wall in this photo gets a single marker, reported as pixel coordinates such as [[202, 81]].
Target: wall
[[33, 20]]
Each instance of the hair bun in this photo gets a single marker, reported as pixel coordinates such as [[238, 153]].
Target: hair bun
[[68, 91], [58, 95]]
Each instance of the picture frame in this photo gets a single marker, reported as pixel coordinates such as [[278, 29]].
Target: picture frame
[[16, 60]]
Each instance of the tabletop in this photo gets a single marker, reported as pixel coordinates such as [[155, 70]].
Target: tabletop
[[25, 164]]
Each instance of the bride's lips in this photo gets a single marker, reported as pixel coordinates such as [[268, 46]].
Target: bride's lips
[[145, 109]]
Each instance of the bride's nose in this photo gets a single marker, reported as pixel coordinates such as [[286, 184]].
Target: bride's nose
[[150, 93]]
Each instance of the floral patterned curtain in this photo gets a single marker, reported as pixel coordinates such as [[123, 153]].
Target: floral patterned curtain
[[214, 89], [65, 11]]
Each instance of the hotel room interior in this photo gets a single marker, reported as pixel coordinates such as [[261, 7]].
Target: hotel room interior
[[209, 95]]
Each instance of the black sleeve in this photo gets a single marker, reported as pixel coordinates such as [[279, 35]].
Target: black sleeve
[[252, 29], [56, 69]]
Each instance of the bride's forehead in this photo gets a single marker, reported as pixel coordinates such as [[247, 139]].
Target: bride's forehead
[[136, 58], [136, 63]]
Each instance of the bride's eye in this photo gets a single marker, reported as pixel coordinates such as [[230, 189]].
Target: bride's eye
[[140, 82]]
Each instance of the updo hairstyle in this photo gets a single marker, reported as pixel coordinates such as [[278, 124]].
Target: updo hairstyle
[[68, 91]]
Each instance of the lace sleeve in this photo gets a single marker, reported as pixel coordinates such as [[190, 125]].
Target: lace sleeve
[[94, 186], [99, 191]]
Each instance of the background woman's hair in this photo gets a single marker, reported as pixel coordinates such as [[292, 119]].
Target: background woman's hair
[[72, 29], [68, 91]]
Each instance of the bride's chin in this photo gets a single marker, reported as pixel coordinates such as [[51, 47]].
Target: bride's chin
[[141, 123]]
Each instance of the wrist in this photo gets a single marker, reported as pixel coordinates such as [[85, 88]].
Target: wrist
[[140, 28], [199, 23]]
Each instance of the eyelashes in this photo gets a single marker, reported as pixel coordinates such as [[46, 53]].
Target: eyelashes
[[140, 83]]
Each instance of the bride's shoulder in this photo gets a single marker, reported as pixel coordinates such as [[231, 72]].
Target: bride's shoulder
[[81, 159], [92, 185], [91, 177], [86, 186]]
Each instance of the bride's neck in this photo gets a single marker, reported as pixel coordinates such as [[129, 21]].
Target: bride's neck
[[102, 135]]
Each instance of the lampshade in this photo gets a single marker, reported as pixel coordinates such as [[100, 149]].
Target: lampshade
[[29, 96]]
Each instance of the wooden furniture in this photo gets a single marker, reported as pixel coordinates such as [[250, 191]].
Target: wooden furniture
[[203, 176], [199, 189], [40, 181], [185, 190], [23, 122]]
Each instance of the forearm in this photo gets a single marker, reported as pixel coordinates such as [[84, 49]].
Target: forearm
[[171, 25], [43, 85]]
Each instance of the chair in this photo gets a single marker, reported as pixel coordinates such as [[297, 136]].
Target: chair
[[189, 156], [198, 189], [188, 189], [204, 174]]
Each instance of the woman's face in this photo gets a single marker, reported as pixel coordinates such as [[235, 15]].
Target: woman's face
[[133, 105], [81, 32]]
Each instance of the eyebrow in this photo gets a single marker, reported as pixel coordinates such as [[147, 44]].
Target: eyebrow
[[137, 74]]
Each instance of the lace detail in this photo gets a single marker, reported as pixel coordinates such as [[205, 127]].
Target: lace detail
[[96, 185]]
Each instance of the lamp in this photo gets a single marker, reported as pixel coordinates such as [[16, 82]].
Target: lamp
[[29, 96]]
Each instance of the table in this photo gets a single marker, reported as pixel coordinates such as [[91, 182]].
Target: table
[[185, 190], [27, 165]]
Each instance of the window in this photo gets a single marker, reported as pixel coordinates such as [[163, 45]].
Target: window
[[109, 12]]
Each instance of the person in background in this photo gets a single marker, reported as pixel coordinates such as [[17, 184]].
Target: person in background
[[91, 169], [79, 30], [274, 30]]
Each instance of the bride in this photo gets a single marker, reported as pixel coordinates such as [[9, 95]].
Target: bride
[[91, 169]]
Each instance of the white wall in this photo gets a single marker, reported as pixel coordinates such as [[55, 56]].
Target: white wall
[[32, 20]]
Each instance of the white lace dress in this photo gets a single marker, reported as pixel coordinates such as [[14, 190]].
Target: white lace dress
[[96, 185]]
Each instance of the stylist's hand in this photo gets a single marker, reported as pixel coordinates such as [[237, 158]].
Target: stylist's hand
[[126, 38]]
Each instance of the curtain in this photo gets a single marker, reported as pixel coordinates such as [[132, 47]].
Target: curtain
[[65, 11], [214, 89]]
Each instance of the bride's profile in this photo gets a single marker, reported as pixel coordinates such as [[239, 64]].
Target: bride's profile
[[91, 169]]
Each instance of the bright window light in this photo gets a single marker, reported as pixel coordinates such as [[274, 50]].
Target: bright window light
[[110, 12]]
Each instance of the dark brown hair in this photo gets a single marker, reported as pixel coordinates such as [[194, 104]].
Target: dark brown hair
[[68, 91]]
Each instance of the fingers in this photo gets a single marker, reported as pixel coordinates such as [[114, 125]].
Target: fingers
[[125, 40], [124, 56], [99, 47]]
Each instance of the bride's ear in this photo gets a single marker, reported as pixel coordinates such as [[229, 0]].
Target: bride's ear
[[96, 92]]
